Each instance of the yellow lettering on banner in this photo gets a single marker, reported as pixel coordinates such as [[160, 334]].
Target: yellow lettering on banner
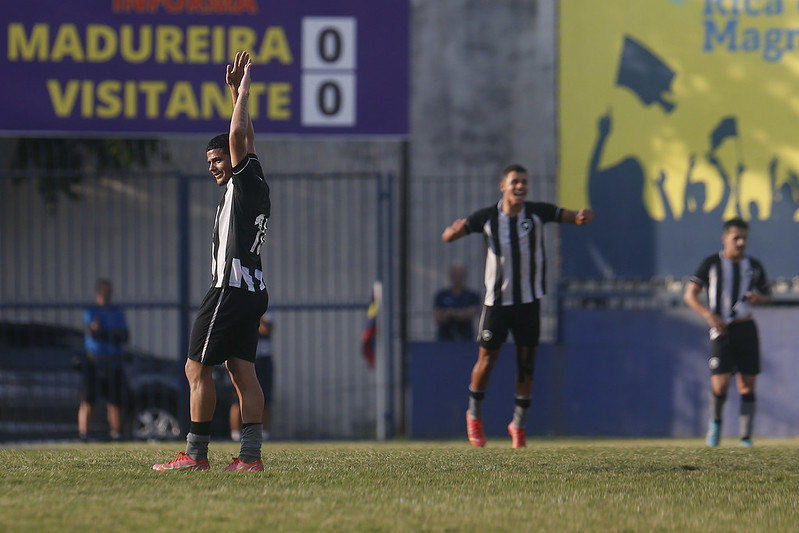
[[63, 101], [182, 101], [110, 98], [109, 103], [239, 38], [152, 92], [194, 44], [101, 43], [168, 40], [279, 101], [197, 44], [131, 99], [275, 46], [127, 49], [67, 44], [219, 44], [215, 100], [87, 98], [20, 47]]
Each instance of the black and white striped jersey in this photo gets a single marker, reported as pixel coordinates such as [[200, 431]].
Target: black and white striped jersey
[[727, 283], [240, 228], [515, 269]]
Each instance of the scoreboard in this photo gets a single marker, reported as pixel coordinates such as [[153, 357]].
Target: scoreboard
[[134, 67]]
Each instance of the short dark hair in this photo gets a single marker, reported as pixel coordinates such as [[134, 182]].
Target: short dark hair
[[736, 222], [515, 167], [221, 141]]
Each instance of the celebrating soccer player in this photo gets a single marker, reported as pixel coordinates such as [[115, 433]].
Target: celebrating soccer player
[[226, 327], [514, 283]]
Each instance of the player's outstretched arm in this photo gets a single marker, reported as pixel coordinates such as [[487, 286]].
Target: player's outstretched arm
[[238, 78], [583, 216], [454, 231]]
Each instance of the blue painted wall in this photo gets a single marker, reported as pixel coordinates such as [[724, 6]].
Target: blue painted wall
[[617, 372]]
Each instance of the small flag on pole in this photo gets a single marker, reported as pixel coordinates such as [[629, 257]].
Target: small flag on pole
[[369, 335]]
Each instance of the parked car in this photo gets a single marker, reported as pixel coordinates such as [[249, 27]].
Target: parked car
[[40, 378]]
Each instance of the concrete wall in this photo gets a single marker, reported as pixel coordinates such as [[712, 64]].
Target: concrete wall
[[483, 85]]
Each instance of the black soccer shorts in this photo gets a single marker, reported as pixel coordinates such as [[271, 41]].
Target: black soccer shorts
[[523, 321], [227, 325], [738, 350]]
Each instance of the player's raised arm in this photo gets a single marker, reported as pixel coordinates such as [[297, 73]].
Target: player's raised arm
[[583, 216], [454, 231], [242, 135]]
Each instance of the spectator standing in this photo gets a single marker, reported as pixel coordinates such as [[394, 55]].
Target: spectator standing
[[455, 308], [106, 331]]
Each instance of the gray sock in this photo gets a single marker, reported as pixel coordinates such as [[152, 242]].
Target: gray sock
[[476, 403], [747, 417], [251, 442], [520, 411], [717, 406], [197, 446]]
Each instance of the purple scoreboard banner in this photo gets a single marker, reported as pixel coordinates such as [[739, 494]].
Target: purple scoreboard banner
[[154, 67]]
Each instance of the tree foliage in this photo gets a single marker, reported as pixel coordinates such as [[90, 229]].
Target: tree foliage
[[59, 164]]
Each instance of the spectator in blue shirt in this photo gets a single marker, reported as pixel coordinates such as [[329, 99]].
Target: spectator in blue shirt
[[455, 308], [106, 331]]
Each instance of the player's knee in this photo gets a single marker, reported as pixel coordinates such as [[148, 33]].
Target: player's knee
[[527, 367], [526, 363], [196, 372]]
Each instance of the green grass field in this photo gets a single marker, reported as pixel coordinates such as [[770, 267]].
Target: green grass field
[[553, 485]]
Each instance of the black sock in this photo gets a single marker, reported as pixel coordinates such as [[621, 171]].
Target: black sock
[[717, 405], [747, 416], [200, 428]]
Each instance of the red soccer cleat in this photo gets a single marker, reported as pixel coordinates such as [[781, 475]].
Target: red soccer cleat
[[474, 429], [238, 464], [182, 462], [518, 435]]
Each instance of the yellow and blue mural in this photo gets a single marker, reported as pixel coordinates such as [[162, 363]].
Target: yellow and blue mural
[[675, 115]]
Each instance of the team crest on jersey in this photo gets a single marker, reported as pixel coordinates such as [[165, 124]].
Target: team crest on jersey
[[487, 335], [526, 224]]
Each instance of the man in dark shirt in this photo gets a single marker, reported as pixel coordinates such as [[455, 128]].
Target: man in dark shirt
[[455, 308]]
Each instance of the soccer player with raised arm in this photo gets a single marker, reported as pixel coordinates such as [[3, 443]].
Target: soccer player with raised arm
[[226, 327], [515, 282]]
